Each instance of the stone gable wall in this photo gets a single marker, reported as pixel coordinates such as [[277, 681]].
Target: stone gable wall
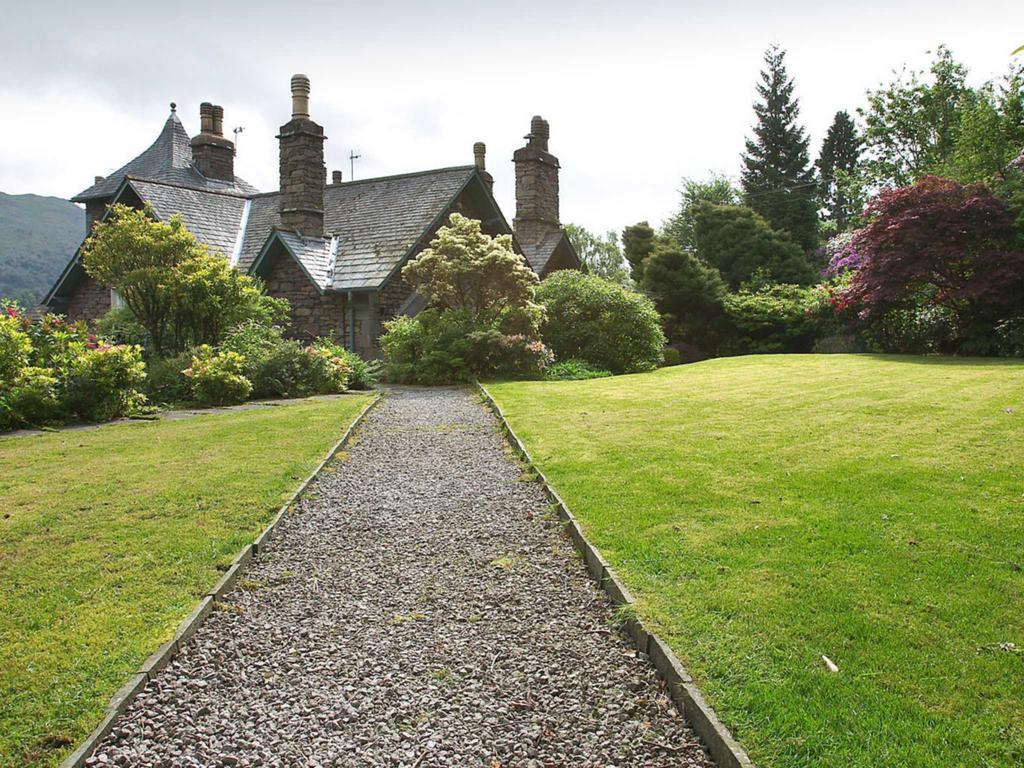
[[313, 314], [89, 301]]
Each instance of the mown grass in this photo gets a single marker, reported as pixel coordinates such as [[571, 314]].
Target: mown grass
[[769, 510], [109, 537]]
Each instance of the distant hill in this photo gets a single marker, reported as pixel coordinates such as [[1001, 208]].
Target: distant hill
[[37, 237]]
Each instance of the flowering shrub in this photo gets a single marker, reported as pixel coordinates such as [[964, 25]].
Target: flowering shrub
[[217, 377], [842, 255], [15, 345], [362, 373], [52, 370]]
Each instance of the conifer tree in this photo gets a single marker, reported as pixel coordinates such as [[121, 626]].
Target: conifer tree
[[778, 179], [840, 153]]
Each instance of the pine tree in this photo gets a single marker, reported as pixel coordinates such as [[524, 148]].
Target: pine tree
[[840, 153], [778, 179]]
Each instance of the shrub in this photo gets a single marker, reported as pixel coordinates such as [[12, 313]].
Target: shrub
[[672, 357], [608, 326], [362, 373], [254, 341], [290, 370], [439, 347], [119, 326], [774, 318], [30, 400], [166, 381], [689, 294], [573, 370], [15, 344], [481, 320], [103, 383], [217, 377]]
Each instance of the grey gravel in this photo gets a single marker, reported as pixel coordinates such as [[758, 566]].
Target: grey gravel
[[419, 607]]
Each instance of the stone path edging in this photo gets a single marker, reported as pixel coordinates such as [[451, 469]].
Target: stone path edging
[[159, 659], [724, 749]]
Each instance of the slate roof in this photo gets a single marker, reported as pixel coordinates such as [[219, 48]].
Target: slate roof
[[539, 254], [168, 160], [375, 222], [213, 217]]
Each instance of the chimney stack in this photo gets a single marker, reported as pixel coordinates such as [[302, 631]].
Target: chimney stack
[[302, 166], [536, 186], [336, 177], [480, 161], [213, 155]]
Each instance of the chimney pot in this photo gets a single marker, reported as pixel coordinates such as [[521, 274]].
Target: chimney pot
[[97, 179], [300, 97], [336, 177], [540, 132], [480, 155], [206, 117], [218, 120]]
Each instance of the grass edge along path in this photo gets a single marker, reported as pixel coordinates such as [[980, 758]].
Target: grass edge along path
[[108, 539], [768, 510]]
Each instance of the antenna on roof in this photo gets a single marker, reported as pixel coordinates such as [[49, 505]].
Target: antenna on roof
[[352, 157], [238, 132]]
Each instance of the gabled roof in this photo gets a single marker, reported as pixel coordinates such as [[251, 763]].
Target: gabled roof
[[539, 254], [376, 223], [168, 160]]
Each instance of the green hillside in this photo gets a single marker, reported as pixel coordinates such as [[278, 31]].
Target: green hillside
[[37, 237]]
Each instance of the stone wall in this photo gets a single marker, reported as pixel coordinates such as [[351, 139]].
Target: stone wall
[[313, 314], [89, 301]]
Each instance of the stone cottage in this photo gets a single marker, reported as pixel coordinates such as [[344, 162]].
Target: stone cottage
[[334, 250]]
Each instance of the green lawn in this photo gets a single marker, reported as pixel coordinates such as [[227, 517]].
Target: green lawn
[[768, 510], [109, 537]]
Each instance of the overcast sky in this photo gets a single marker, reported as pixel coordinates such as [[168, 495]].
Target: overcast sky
[[638, 94]]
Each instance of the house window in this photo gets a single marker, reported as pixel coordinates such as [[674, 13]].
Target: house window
[[116, 302]]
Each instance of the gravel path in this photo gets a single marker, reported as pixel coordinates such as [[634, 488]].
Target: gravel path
[[419, 608]]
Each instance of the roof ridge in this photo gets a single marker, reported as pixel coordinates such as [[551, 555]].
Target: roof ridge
[[408, 175], [225, 192]]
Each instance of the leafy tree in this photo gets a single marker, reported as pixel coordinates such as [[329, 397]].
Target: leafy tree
[[688, 293], [742, 245], [778, 179], [718, 189], [601, 255], [134, 254], [638, 241], [943, 265], [990, 131], [604, 324], [912, 124], [837, 163], [182, 294], [467, 269]]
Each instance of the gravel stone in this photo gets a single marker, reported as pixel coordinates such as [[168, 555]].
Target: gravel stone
[[420, 606]]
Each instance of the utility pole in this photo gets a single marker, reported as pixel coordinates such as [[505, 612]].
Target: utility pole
[[352, 157]]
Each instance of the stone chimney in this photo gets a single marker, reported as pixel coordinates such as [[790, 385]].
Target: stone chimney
[[302, 166], [335, 177], [480, 161], [212, 154], [536, 186]]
